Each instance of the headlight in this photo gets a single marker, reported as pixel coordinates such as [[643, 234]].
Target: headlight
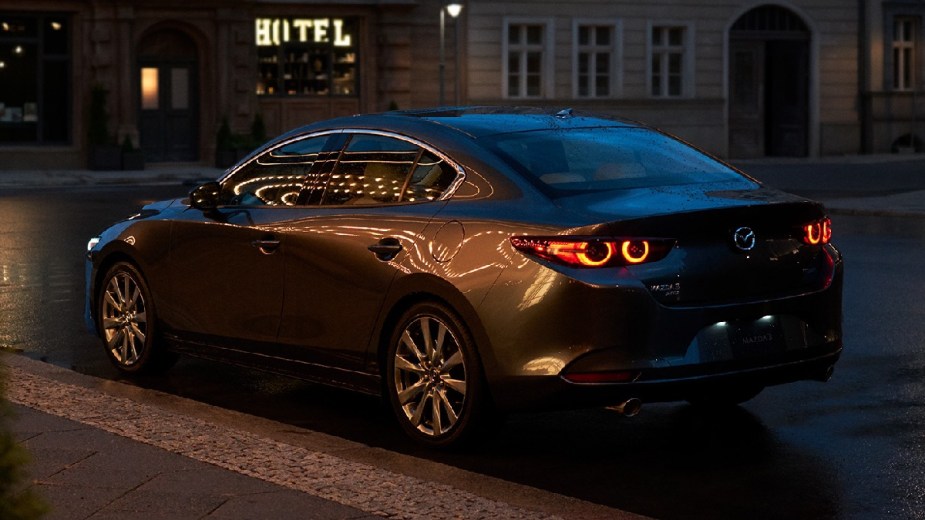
[[92, 243]]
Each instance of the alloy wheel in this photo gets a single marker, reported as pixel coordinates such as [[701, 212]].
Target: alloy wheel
[[124, 319], [430, 376]]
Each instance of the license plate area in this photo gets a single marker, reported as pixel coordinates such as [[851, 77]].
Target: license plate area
[[755, 338]]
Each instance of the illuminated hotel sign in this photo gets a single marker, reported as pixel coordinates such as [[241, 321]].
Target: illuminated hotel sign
[[277, 31]]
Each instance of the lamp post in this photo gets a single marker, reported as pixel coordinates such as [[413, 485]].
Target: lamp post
[[453, 10]]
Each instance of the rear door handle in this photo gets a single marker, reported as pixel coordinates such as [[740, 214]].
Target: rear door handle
[[386, 249], [267, 246]]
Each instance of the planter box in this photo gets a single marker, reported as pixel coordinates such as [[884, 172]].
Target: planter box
[[105, 157]]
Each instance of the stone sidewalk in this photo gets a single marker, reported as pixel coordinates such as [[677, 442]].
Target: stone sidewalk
[[102, 449]]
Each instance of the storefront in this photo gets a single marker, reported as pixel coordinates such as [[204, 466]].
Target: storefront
[[172, 73], [35, 87]]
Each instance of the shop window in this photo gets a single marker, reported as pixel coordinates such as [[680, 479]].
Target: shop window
[[307, 56], [670, 61], [35, 86]]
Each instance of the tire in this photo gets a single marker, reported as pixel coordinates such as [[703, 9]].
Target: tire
[[127, 322], [724, 397], [433, 377]]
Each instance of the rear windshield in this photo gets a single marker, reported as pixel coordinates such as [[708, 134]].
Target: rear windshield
[[566, 162]]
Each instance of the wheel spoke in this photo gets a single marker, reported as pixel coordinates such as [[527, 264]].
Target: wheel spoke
[[408, 342], [111, 323], [408, 394], [437, 418], [419, 411], [113, 300], [438, 345], [116, 339], [133, 299], [455, 360], [136, 332], [403, 364], [141, 317], [450, 412], [456, 384], [428, 342]]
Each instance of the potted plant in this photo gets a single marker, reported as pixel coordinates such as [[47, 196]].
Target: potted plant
[[104, 153], [132, 158]]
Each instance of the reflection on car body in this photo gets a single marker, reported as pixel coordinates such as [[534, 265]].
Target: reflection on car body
[[462, 261]]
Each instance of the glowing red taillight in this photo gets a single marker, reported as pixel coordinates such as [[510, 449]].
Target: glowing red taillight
[[818, 232], [594, 252]]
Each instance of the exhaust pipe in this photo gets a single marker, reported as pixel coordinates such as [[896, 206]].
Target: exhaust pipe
[[826, 374], [628, 408]]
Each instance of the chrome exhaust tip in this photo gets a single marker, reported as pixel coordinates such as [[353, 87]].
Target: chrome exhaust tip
[[628, 408], [826, 374]]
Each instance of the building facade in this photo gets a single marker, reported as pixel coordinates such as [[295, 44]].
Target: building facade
[[739, 78], [171, 72]]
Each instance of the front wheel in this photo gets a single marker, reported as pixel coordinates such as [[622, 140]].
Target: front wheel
[[433, 378], [127, 322]]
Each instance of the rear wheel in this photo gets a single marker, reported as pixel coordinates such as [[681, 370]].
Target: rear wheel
[[433, 377], [127, 322]]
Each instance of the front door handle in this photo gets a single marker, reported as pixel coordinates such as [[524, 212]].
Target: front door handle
[[267, 246], [386, 249]]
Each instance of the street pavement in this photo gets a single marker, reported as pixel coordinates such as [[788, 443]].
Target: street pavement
[[103, 449]]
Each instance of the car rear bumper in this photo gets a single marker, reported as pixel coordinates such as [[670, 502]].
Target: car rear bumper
[[670, 383]]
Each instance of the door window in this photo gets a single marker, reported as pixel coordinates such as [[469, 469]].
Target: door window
[[377, 169], [276, 177]]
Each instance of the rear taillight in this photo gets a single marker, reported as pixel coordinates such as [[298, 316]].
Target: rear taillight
[[594, 252], [818, 232]]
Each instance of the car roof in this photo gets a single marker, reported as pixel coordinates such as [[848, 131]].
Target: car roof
[[480, 121]]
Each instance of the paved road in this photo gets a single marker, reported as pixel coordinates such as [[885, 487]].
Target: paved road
[[847, 449]]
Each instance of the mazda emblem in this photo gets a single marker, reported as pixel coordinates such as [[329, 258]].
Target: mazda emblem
[[744, 238]]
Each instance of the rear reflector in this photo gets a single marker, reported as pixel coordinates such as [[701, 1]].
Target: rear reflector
[[587, 378]]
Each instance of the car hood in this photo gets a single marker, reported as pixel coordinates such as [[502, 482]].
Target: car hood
[[664, 200]]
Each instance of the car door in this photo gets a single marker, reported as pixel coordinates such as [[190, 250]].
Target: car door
[[227, 264], [351, 239]]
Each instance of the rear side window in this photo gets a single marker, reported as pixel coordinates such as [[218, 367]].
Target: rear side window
[[377, 169], [573, 161]]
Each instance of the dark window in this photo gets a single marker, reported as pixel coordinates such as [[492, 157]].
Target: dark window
[[35, 86]]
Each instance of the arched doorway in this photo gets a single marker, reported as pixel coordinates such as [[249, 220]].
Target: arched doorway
[[769, 64], [168, 102]]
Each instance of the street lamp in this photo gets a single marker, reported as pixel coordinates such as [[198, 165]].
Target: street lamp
[[453, 10]]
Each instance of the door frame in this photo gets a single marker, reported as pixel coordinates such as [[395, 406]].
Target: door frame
[[813, 129]]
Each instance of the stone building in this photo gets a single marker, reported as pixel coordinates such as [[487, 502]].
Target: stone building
[[739, 78]]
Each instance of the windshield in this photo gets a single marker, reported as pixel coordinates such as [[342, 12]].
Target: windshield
[[574, 161]]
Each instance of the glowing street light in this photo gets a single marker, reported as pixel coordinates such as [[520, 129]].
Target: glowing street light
[[453, 10]]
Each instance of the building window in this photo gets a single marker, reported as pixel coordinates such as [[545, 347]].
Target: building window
[[595, 60], [669, 61], [35, 85], [307, 56], [527, 51], [904, 42]]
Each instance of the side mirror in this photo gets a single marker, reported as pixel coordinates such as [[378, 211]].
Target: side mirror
[[206, 196]]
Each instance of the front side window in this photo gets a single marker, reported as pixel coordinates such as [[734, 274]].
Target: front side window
[[668, 60], [595, 60], [35, 86], [276, 177], [307, 56], [525, 55], [377, 169], [904, 42]]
